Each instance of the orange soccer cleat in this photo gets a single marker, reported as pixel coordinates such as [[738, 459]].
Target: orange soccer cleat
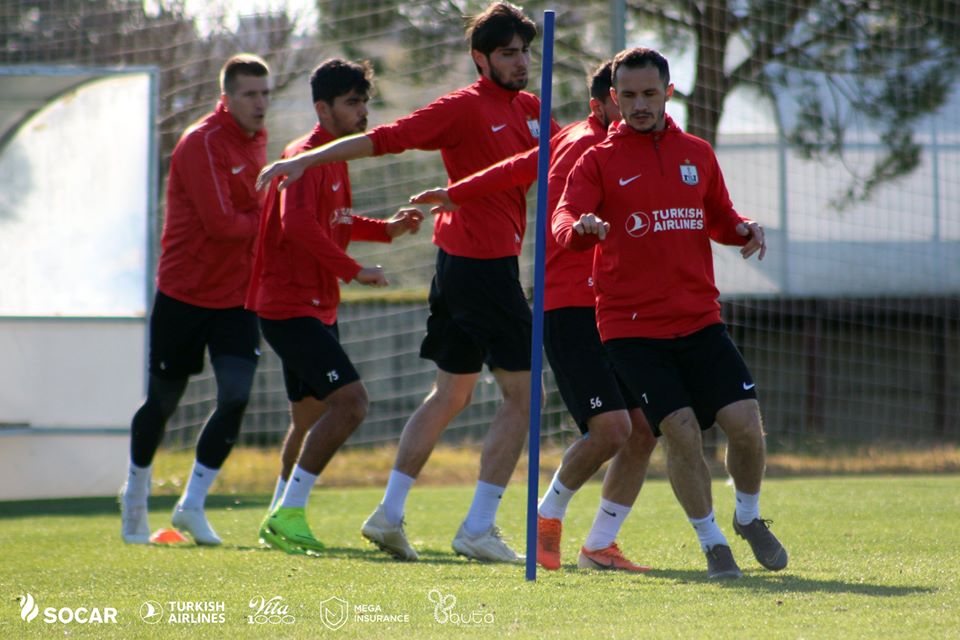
[[608, 558], [548, 542]]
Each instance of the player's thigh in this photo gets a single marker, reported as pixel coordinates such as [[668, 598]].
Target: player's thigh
[[314, 362], [585, 378], [715, 372], [486, 301], [234, 332], [650, 372], [453, 350], [177, 337]]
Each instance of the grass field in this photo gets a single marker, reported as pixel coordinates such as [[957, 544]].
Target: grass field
[[870, 557]]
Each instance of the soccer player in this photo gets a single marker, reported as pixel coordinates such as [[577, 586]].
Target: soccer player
[[294, 290], [212, 215], [478, 311], [651, 198], [609, 418]]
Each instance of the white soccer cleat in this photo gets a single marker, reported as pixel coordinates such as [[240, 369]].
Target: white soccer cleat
[[389, 537], [134, 527], [486, 547], [194, 522]]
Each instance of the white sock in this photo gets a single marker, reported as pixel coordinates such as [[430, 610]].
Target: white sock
[[298, 488], [554, 502], [708, 532], [278, 492], [198, 486], [483, 510], [137, 488], [395, 497], [748, 507], [606, 525]]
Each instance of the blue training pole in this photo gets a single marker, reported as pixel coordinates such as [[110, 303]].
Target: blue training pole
[[536, 348]]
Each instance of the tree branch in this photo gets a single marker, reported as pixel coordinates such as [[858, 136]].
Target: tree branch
[[661, 16]]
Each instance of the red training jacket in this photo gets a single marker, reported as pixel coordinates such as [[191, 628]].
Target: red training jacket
[[303, 235], [568, 280], [212, 213], [665, 199], [473, 128]]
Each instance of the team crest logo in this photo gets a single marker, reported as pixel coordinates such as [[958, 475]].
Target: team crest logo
[[341, 215], [689, 175], [638, 224], [534, 126]]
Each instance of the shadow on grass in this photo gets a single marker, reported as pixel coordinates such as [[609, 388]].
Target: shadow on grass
[[331, 552], [785, 583], [106, 506]]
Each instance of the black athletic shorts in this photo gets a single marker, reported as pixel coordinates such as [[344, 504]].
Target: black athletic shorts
[[703, 370], [586, 379], [179, 332], [478, 314], [314, 363]]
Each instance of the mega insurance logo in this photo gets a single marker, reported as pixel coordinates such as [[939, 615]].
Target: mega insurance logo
[[30, 610]]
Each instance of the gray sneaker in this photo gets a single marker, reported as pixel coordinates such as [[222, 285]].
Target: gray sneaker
[[766, 548], [389, 537], [194, 522], [720, 563], [134, 527], [486, 547]]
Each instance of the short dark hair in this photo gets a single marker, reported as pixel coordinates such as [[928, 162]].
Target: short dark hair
[[640, 57], [242, 64], [601, 79], [337, 77], [497, 25]]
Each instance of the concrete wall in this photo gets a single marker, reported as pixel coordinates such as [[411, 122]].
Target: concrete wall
[[68, 388]]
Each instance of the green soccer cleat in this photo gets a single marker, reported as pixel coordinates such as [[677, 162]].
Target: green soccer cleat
[[272, 541], [287, 529]]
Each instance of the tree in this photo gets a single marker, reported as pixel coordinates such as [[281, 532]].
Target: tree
[[124, 32], [828, 65]]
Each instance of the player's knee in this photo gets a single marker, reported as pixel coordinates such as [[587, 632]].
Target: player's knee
[[233, 399], [350, 403], [742, 424], [163, 396], [609, 431], [453, 399], [681, 430], [642, 441], [233, 392]]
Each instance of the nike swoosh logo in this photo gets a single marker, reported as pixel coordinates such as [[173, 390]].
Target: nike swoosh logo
[[336, 187], [236, 170], [747, 387], [624, 183], [602, 565], [555, 490], [497, 127], [609, 513]]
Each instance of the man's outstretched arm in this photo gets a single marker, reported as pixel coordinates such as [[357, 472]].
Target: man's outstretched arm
[[340, 150]]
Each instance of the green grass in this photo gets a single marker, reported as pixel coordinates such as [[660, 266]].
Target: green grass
[[870, 557]]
